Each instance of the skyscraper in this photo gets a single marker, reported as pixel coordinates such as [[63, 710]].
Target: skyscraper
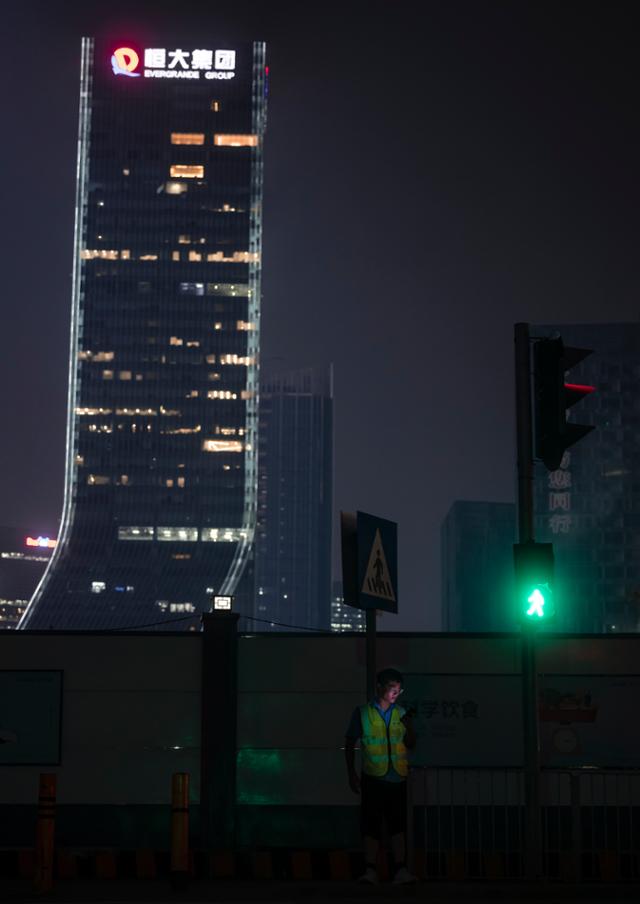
[[590, 507], [293, 545], [477, 567], [161, 473]]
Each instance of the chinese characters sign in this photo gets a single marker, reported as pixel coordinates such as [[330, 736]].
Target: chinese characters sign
[[159, 62], [559, 497], [465, 720]]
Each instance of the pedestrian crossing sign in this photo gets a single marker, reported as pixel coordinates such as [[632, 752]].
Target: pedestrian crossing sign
[[377, 563], [377, 579]]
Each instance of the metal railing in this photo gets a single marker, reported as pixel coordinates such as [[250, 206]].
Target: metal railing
[[469, 823]]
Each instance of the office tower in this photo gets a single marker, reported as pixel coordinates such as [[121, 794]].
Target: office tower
[[590, 507], [161, 479], [293, 545], [23, 559], [477, 567], [343, 617]]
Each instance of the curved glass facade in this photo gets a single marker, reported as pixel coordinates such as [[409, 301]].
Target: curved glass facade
[[160, 491]]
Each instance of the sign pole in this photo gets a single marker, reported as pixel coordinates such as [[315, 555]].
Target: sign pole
[[531, 744], [371, 653]]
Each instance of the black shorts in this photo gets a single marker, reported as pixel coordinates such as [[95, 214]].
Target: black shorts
[[384, 805]]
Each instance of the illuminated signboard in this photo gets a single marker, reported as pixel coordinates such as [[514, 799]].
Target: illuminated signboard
[[43, 542], [162, 63]]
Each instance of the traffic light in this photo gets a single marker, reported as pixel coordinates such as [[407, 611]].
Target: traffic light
[[552, 397], [533, 564]]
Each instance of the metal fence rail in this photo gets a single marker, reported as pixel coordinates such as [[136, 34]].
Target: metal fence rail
[[469, 823]]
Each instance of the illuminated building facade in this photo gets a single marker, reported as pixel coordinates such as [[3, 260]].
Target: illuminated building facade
[[293, 544], [343, 617], [23, 559], [590, 507], [161, 479]]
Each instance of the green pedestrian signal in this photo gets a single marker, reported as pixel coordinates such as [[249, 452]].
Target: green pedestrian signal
[[533, 564], [539, 602]]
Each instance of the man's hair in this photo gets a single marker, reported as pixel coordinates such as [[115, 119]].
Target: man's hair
[[387, 675]]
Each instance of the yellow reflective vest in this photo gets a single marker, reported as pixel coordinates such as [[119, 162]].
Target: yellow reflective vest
[[383, 747]]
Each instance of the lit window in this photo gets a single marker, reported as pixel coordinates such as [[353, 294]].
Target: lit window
[[148, 257], [195, 256], [184, 240], [124, 375], [244, 325], [215, 107], [235, 141], [228, 290], [174, 340], [125, 255], [124, 480], [217, 326], [191, 288], [222, 535], [236, 359], [181, 481], [169, 482], [98, 586], [182, 431], [181, 607], [103, 356], [210, 359], [187, 138], [178, 534], [186, 171], [107, 375], [221, 394], [193, 343], [222, 445], [213, 376], [238, 257], [96, 480], [175, 255], [247, 394], [175, 188], [135, 533]]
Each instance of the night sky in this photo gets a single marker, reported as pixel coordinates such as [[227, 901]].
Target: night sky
[[434, 172]]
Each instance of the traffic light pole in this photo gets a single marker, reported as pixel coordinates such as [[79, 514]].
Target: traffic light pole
[[524, 432]]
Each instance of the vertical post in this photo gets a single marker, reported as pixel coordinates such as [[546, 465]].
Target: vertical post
[[576, 828], [524, 431], [179, 829], [371, 653], [219, 729], [45, 829]]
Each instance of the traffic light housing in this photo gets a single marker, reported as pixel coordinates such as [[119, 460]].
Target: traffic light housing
[[553, 397], [533, 565]]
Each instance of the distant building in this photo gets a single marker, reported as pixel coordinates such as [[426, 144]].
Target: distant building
[[477, 567], [295, 487], [344, 618], [161, 472], [23, 559], [590, 507]]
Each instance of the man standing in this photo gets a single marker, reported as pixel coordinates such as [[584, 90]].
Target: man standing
[[385, 732]]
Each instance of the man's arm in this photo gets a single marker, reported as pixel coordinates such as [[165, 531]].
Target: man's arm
[[410, 737]]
